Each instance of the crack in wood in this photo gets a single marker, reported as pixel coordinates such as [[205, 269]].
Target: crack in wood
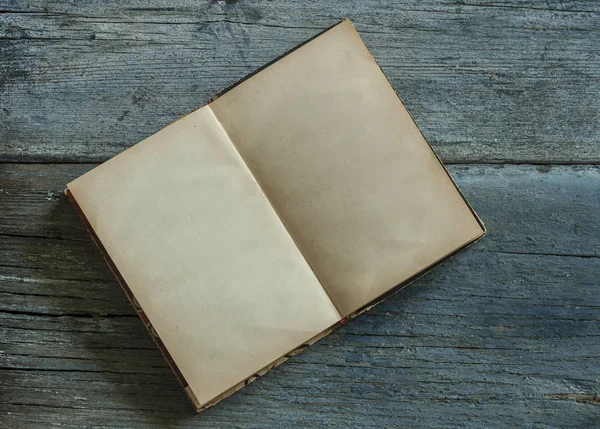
[[582, 398], [64, 315]]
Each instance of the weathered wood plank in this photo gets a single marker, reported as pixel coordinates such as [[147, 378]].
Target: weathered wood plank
[[516, 305], [505, 334], [487, 81], [498, 354], [538, 209]]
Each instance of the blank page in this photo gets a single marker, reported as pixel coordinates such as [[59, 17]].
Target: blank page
[[205, 255], [345, 167]]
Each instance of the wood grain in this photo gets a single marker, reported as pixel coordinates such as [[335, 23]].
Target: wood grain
[[503, 335], [501, 81]]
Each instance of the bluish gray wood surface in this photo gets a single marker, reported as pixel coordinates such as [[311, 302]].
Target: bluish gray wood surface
[[506, 334]]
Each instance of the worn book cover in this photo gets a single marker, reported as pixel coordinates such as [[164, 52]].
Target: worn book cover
[[293, 201]]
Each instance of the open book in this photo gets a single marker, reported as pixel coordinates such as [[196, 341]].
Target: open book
[[255, 225]]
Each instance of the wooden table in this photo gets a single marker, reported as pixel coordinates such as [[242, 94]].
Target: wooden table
[[506, 334]]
